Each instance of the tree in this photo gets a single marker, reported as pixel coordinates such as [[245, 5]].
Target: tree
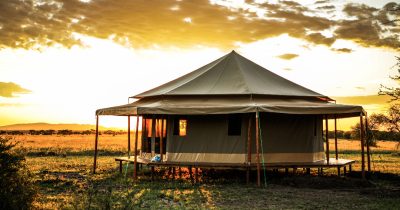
[[17, 189], [391, 120], [393, 10], [393, 92], [370, 137]]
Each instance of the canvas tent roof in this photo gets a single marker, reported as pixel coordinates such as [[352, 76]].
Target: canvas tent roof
[[231, 74], [231, 84]]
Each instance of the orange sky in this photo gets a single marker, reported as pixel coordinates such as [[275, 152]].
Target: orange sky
[[61, 60]]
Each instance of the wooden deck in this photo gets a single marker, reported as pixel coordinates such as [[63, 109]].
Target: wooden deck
[[319, 164]]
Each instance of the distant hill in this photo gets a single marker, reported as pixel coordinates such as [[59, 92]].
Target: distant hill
[[48, 126]]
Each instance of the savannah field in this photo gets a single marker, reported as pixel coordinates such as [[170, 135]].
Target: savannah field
[[62, 168]]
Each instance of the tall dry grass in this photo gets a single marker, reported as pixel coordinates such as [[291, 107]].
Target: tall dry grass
[[345, 144]]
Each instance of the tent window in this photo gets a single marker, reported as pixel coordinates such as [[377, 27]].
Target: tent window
[[180, 127], [234, 125]]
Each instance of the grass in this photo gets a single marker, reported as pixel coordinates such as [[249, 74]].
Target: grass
[[62, 167]]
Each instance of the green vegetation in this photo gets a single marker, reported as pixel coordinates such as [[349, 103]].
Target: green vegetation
[[17, 190]]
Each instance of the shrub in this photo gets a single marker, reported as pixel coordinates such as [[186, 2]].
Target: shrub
[[17, 190]]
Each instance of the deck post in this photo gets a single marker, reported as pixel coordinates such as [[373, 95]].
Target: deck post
[[95, 144], [129, 136], [362, 146], [190, 173], [135, 151], [248, 151], [153, 136], [196, 175], [144, 134], [368, 142], [327, 139], [336, 144], [258, 150], [161, 139]]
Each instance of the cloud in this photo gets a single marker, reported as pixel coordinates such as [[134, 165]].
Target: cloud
[[359, 10], [327, 7], [322, 2], [12, 105], [9, 89], [36, 24], [318, 38], [342, 50], [366, 33], [371, 27], [288, 56]]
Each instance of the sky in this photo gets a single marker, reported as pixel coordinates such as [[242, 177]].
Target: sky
[[61, 60]]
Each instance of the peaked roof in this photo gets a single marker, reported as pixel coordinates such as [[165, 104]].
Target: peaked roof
[[231, 74]]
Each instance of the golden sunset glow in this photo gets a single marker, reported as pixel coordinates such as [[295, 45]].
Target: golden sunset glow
[[58, 64]]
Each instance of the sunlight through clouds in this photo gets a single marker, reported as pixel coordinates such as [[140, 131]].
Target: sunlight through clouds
[[77, 56], [187, 20], [80, 80]]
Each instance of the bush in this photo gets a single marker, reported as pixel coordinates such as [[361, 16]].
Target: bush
[[17, 190]]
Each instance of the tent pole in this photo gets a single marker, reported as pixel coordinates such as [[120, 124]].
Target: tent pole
[[336, 146], [248, 151], [362, 146], [135, 151], [143, 134], [368, 142], [129, 136], [161, 139], [327, 138], [95, 144], [258, 150]]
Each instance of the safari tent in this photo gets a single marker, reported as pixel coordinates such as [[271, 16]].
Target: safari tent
[[234, 113]]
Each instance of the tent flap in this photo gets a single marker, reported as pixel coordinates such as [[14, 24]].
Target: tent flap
[[124, 110]]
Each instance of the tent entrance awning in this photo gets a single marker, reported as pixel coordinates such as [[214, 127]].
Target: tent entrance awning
[[202, 105]]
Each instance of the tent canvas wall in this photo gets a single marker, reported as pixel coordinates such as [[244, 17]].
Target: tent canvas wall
[[286, 138], [291, 138]]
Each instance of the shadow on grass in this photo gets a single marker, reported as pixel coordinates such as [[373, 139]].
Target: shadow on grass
[[358, 152], [59, 152], [227, 189], [63, 152]]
